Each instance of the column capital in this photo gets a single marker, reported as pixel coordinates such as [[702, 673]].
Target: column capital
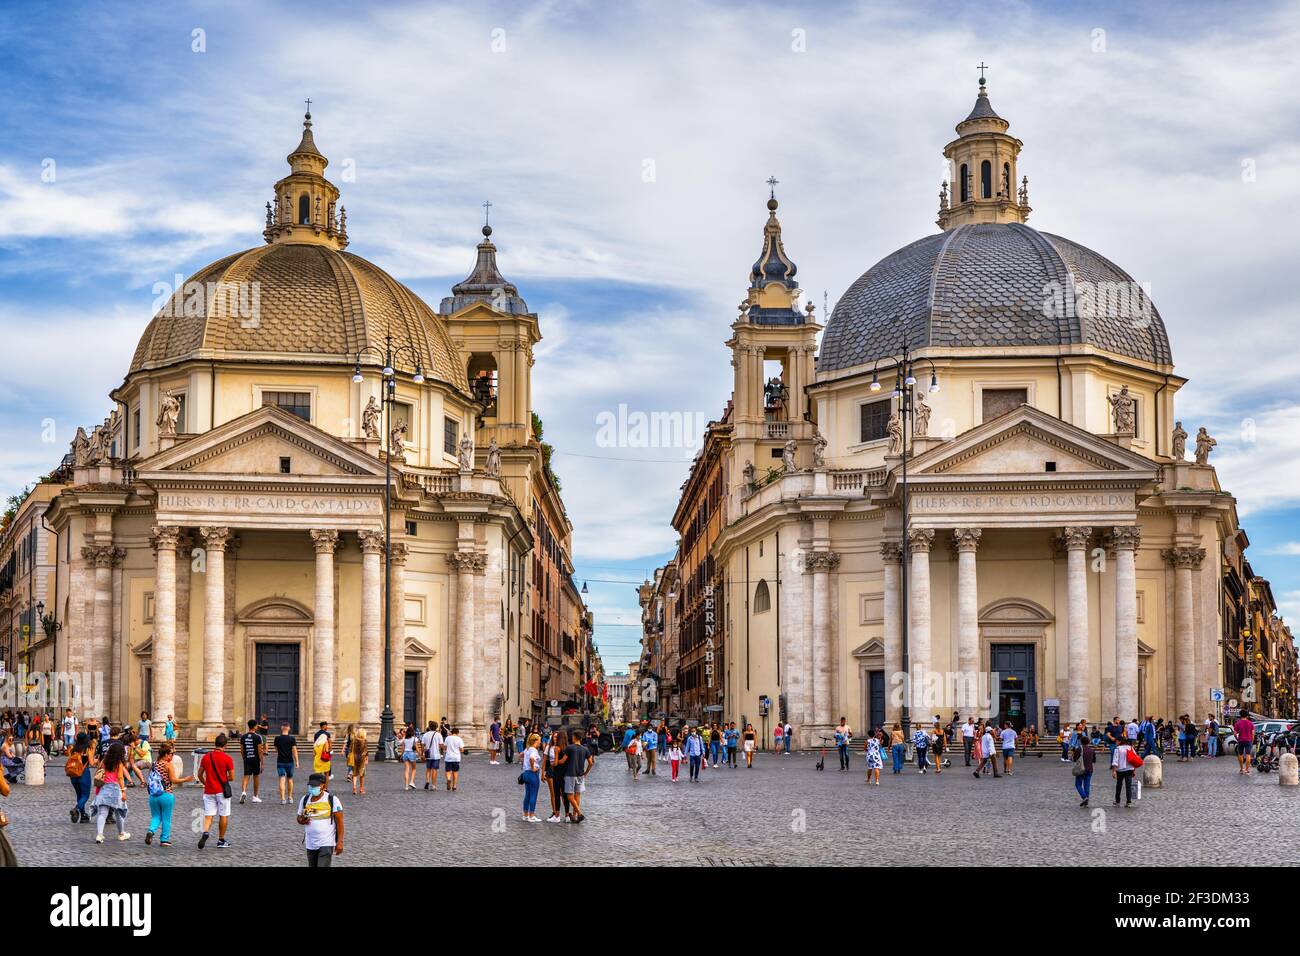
[[398, 551], [325, 540], [97, 555], [467, 560], [920, 540], [821, 561], [966, 539], [1124, 538], [119, 557], [1184, 557], [166, 536], [215, 538], [1075, 538], [891, 552], [372, 542]]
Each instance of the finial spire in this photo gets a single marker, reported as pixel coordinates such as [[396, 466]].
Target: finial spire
[[982, 68], [487, 214]]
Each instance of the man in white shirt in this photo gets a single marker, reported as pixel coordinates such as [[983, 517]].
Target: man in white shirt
[[432, 741], [320, 814], [968, 737], [1131, 733], [1008, 737], [452, 747], [988, 753]]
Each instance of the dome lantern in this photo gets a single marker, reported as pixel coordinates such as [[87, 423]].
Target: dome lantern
[[982, 182], [306, 205]]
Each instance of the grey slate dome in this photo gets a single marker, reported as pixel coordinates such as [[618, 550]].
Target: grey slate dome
[[992, 285]]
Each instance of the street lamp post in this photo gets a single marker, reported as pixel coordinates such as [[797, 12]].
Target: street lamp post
[[905, 391], [388, 355]]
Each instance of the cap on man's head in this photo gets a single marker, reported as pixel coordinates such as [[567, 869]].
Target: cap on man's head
[[319, 778]]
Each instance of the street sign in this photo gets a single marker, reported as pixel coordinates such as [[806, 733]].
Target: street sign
[[1216, 694]]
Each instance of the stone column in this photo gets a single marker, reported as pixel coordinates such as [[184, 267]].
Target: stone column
[[118, 695], [164, 540], [891, 553], [463, 563], [1124, 544], [214, 630], [397, 656], [325, 540], [1184, 560], [822, 563], [966, 541], [372, 628], [184, 545], [919, 541], [100, 557], [1076, 545]]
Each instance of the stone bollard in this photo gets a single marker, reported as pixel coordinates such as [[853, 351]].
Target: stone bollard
[[34, 770], [1288, 771], [1153, 772]]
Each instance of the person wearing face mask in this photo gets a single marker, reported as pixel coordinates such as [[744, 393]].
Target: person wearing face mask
[[321, 814]]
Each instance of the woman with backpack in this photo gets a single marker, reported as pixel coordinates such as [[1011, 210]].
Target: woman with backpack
[[110, 800], [161, 799], [80, 768]]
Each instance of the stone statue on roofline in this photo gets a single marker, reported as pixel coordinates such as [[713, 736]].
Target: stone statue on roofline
[[921, 419], [894, 429], [1180, 442], [819, 449], [1204, 445], [465, 457], [493, 459], [80, 448], [370, 419], [1121, 409], [169, 414], [787, 456], [396, 442]]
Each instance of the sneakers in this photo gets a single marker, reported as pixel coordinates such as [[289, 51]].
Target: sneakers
[[257, 799], [553, 818], [121, 837], [426, 785], [203, 840], [99, 838], [148, 838], [243, 797], [164, 842], [223, 844]]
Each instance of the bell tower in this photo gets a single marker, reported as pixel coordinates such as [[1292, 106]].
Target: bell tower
[[773, 347], [982, 184], [495, 334]]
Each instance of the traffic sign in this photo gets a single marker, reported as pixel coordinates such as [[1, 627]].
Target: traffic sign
[[1216, 694]]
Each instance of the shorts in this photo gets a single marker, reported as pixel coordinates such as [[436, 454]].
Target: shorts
[[408, 756], [1245, 747], [432, 763], [453, 766], [1008, 751], [575, 784], [284, 770], [215, 805], [252, 767]]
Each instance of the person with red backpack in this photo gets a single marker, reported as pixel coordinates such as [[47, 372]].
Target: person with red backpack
[[1124, 761], [217, 774]]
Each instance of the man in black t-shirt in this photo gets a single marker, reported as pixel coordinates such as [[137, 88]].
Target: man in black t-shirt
[[286, 761], [576, 765], [252, 746]]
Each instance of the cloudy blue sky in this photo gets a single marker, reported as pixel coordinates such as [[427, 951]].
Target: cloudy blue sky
[[624, 146]]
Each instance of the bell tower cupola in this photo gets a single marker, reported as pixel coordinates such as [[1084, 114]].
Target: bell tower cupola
[[982, 185]]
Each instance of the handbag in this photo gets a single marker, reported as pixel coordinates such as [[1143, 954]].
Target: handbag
[[1134, 761], [1078, 768]]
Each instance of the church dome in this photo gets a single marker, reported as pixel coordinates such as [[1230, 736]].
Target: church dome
[[294, 301], [989, 281], [992, 285]]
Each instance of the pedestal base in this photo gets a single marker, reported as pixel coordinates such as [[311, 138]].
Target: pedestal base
[[207, 734]]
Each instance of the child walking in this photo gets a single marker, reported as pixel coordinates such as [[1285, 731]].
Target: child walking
[[675, 758]]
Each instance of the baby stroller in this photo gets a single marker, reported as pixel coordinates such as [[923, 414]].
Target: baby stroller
[[1268, 753], [13, 769]]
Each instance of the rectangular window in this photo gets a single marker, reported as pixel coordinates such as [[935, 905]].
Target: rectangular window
[[286, 466], [999, 401], [180, 414], [875, 419], [450, 435], [410, 529], [135, 429], [402, 414], [1137, 417], [295, 403]]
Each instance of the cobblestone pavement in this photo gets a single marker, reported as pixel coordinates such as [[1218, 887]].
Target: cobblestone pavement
[[781, 812]]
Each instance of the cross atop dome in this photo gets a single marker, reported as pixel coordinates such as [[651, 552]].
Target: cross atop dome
[[306, 206]]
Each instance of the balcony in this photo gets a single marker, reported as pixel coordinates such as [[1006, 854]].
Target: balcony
[[776, 431]]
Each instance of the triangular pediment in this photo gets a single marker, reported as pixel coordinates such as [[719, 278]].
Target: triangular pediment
[[255, 443], [414, 649], [872, 648], [1022, 443]]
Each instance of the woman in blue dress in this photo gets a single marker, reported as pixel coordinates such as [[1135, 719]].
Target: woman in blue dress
[[874, 761]]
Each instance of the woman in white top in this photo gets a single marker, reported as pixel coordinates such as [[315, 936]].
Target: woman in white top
[[411, 749], [531, 778], [451, 751]]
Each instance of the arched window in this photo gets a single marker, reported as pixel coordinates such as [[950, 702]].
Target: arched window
[[304, 210], [986, 180], [762, 598], [965, 183]]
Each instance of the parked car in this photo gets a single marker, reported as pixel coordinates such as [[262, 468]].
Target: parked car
[[1264, 727]]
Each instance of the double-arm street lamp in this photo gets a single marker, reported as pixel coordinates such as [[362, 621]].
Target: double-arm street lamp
[[389, 355], [905, 386]]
